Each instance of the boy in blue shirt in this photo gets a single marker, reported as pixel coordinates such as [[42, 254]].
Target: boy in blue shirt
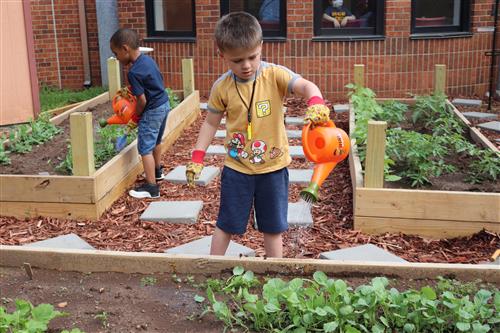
[[152, 107]]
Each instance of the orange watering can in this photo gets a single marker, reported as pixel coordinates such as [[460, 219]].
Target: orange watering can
[[325, 145], [124, 104]]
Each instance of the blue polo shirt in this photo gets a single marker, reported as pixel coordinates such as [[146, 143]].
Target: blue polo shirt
[[145, 78]]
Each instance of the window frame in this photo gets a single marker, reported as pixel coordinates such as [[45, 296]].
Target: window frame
[[463, 27], [376, 32], [268, 35], [153, 34]]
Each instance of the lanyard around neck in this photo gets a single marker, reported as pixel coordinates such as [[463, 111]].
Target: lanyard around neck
[[249, 106]]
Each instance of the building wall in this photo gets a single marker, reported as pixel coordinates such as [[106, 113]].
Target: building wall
[[394, 66]]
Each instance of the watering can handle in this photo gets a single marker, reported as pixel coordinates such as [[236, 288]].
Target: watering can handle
[[305, 134]]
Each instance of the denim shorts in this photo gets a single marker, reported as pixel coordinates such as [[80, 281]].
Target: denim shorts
[[151, 128], [267, 192]]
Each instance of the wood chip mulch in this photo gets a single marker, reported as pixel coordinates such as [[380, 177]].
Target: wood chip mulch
[[120, 228]]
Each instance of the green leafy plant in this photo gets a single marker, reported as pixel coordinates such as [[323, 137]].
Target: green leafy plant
[[148, 281], [328, 305], [4, 154], [103, 318], [173, 98]]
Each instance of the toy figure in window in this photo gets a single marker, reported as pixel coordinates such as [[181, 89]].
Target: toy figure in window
[[269, 14], [338, 14]]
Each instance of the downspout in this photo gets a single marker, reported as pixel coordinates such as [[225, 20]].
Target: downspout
[[107, 24], [87, 80], [493, 56], [57, 47]]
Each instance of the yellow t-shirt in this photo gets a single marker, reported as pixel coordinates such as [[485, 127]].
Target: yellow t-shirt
[[267, 150]]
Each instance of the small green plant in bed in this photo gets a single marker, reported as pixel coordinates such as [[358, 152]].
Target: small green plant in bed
[[52, 98], [173, 98], [421, 141], [322, 304]]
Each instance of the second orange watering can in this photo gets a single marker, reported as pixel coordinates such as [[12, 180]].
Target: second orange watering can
[[124, 104], [325, 145]]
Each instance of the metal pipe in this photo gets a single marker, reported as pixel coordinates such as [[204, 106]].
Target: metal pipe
[[56, 46], [87, 80], [493, 55]]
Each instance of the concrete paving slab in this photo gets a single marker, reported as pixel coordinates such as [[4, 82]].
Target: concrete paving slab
[[296, 121], [341, 108], [220, 134], [223, 121], [178, 175], [69, 241], [294, 134], [203, 106], [367, 252], [492, 126], [216, 150], [300, 176], [181, 212], [479, 115], [466, 102], [202, 247], [299, 215], [296, 151]]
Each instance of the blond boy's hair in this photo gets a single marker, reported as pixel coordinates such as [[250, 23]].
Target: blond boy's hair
[[238, 30]]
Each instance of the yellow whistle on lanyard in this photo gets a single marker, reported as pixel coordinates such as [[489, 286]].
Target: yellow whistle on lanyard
[[249, 131]]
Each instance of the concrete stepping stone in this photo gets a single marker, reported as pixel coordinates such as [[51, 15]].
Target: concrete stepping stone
[[300, 176], [220, 134], [466, 102], [341, 108], [202, 247], [294, 134], [223, 121], [69, 241], [180, 212], [299, 215], [178, 175], [296, 151], [492, 126], [479, 115], [295, 121], [203, 106], [367, 252], [216, 150]]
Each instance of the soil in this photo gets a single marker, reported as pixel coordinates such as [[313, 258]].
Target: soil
[[120, 228], [131, 303], [46, 157], [495, 109]]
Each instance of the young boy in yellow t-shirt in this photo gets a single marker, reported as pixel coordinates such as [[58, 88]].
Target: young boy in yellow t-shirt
[[251, 96]]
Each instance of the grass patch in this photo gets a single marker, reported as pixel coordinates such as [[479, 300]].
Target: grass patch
[[52, 98]]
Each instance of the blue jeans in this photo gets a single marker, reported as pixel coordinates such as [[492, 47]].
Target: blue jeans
[[151, 128], [267, 192]]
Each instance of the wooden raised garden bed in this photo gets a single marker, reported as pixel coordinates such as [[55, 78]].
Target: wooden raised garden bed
[[428, 213], [87, 197]]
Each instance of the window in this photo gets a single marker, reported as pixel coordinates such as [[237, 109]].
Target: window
[[170, 18], [431, 16], [270, 13], [348, 18]]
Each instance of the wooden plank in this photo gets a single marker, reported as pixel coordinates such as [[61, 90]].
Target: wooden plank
[[58, 111], [25, 188], [433, 205], [439, 79], [458, 113], [84, 106], [119, 166], [82, 143], [187, 76], [359, 75], [375, 154], [480, 139], [149, 263], [49, 209], [355, 167], [430, 228], [114, 79]]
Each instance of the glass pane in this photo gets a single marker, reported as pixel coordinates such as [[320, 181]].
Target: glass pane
[[348, 13], [429, 13], [266, 11], [173, 15]]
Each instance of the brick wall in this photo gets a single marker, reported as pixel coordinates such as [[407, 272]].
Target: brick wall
[[394, 66]]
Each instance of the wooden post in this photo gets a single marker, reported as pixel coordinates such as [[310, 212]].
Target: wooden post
[[82, 143], [375, 154], [359, 75], [187, 77], [114, 80], [439, 79]]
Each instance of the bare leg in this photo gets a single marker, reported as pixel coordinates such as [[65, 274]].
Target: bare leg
[[273, 244], [220, 242], [157, 156], [149, 168]]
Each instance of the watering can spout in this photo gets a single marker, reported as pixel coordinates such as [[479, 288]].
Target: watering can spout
[[326, 146]]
